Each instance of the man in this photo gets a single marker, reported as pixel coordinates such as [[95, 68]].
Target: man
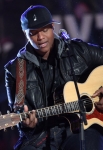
[[47, 68]]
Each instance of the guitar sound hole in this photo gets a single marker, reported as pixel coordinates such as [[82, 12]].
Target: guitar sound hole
[[87, 103]]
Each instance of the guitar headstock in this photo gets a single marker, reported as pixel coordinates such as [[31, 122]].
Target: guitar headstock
[[9, 120]]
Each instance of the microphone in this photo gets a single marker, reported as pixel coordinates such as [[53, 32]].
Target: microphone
[[63, 34]]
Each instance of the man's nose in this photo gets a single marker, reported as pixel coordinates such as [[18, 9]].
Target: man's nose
[[40, 36]]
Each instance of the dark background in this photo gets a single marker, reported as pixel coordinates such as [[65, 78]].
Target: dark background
[[81, 18]]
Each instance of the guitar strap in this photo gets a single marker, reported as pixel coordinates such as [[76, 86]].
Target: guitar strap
[[20, 83]]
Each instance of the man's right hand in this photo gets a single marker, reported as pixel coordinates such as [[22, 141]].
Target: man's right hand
[[99, 94], [31, 120]]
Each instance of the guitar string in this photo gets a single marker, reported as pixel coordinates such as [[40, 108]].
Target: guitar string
[[88, 101]]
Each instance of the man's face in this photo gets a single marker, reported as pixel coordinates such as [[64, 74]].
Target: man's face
[[41, 39]]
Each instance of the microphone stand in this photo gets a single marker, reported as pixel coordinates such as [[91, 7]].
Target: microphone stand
[[82, 110]]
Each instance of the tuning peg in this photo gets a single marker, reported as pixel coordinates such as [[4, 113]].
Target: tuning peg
[[12, 128], [5, 129], [8, 112]]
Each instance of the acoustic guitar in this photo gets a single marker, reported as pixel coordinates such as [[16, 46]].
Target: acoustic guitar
[[70, 104]]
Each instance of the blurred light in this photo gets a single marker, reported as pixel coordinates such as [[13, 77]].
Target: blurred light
[[6, 45]]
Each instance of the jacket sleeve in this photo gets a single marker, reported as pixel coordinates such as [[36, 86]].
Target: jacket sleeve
[[96, 54], [10, 84], [91, 53]]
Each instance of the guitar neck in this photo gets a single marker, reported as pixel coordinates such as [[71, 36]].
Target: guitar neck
[[13, 119], [57, 109]]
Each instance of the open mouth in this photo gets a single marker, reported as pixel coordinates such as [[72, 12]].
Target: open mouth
[[42, 45]]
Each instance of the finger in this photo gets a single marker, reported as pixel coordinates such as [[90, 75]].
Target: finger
[[25, 108], [31, 123], [33, 117], [97, 93], [100, 107], [32, 120], [98, 104], [26, 122], [34, 112]]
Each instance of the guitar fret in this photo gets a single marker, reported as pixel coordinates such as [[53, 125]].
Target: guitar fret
[[65, 106], [50, 111], [38, 113], [43, 112], [68, 106], [59, 109], [72, 107], [53, 110], [76, 106], [47, 111], [62, 108], [56, 110]]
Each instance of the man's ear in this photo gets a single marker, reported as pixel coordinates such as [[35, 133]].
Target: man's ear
[[53, 26]]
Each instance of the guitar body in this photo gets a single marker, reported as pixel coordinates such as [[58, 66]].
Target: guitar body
[[73, 120], [86, 90], [70, 118]]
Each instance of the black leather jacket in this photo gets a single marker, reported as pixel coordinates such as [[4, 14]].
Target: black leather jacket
[[84, 57]]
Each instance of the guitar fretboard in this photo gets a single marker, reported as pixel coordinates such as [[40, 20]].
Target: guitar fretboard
[[57, 109]]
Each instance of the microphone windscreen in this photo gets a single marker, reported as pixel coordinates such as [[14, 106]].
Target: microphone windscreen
[[62, 31]]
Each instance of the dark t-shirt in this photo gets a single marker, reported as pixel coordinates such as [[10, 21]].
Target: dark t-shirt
[[51, 74]]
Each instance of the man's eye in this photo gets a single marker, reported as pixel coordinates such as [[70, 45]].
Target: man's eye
[[45, 30], [32, 34]]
